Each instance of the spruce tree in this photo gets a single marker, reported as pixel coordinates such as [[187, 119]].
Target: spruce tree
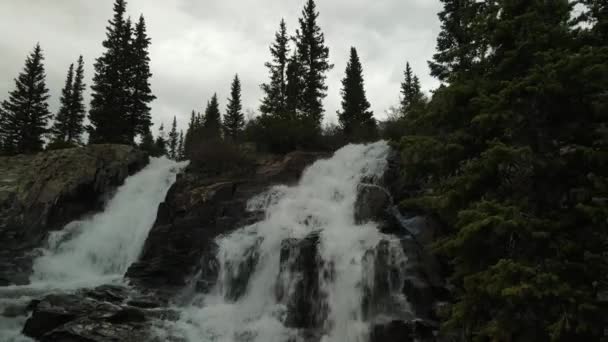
[[111, 82], [190, 134], [212, 121], [138, 116], [26, 113], [61, 124], [294, 88], [173, 140], [458, 48], [274, 101], [68, 126], [147, 144], [313, 55], [410, 90], [181, 154], [234, 119], [356, 118], [77, 108], [161, 142]]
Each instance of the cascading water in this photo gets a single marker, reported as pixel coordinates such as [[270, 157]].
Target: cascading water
[[97, 250], [307, 269]]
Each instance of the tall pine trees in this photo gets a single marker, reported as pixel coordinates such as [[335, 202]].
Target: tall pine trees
[[68, 126], [274, 101], [24, 116], [313, 56], [111, 82], [121, 90], [138, 115], [234, 119], [356, 118]]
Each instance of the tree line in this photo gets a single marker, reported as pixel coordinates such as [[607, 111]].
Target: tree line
[[119, 110], [291, 108]]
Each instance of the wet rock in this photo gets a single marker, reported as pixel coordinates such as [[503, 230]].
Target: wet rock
[[40, 193], [372, 202], [102, 314], [298, 282]]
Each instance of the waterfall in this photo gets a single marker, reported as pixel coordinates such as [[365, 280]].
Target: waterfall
[[95, 250], [307, 271]]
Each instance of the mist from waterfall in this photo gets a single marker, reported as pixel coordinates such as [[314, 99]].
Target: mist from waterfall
[[258, 282]]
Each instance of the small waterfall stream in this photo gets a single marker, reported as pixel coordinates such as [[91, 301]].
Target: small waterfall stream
[[308, 271], [96, 250]]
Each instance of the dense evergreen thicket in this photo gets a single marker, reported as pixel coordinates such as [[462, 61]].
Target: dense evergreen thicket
[[511, 154]]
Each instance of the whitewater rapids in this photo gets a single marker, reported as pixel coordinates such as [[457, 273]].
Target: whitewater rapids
[[323, 203]]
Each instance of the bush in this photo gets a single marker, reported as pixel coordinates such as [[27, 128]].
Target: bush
[[217, 156]]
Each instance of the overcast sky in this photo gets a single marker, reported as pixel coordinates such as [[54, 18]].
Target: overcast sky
[[198, 45]]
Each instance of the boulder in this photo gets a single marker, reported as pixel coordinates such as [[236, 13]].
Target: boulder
[[106, 313], [298, 283], [43, 192]]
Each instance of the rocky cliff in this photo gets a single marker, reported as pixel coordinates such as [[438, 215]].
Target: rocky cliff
[[40, 193]]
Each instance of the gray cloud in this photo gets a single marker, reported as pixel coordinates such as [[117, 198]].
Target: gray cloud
[[198, 45]]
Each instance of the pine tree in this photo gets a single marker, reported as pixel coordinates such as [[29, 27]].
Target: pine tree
[[410, 90], [61, 124], [234, 120], [173, 140], [458, 45], [77, 108], [356, 118], [212, 121], [147, 144], [313, 56], [161, 142], [68, 126], [181, 154], [274, 101], [294, 88], [110, 96], [139, 119], [190, 135], [26, 113]]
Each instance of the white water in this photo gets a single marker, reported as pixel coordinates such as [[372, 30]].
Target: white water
[[323, 202], [97, 250]]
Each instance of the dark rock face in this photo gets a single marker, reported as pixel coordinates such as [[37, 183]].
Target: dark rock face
[[200, 207], [106, 313], [40, 193], [300, 263]]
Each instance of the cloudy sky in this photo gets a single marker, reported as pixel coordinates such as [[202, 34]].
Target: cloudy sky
[[198, 45]]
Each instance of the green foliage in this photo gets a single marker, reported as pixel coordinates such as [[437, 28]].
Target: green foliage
[[68, 126], [511, 154], [173, 141], [313, 56], [212, 121], [121, 90], [234, 119], [275, 92], [356, 118], [24, 116]]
